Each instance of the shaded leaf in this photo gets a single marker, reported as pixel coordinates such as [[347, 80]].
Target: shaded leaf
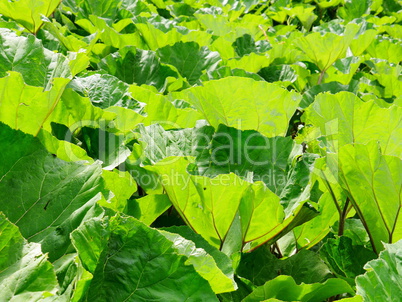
[[190, 59], [56, 195], [285, 288]]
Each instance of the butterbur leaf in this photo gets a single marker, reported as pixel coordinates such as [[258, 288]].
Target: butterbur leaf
[[210, 206], [56, 195], [107, 9], [284, 288], [105, 146], [261, 266], [203, 263], [72, 277], [345, 259], [228, 101], [366, 166], [245, 45], [160, 109], [225, 71], [125, 272], [99, 27], [389, 50], [138, 66], [28, 108], [251, 155], [158, 33], [354, 9], [121, 185], [25, 273], [342, 70], [313, 231], [74, 112], [28, 12], [38, 65], [190, 59], [146, 209], [104, 91], [89, 240], [284, 74], [343, 119], [388, 76], [159, 144], [251, 63], [382, 281], [332, 87], [222, 260], [325, 50]]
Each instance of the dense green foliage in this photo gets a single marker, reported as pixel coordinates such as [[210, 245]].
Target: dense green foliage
[[206, 150]]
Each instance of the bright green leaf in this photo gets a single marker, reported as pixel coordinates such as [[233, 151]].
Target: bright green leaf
[[25, 273], [382, 280]]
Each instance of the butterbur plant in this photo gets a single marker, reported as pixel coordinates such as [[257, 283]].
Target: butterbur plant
[[209, 151]]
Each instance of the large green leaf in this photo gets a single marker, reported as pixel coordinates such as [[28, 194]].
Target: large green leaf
[[353, 9], [324, 50], [209, 214], [249, 155], [137, 66], [190, 59], [273, 161], [121, 185], [286, 289], [46, 198], [115, 244], [244, 103], [158, 32], [25, 273], [28, 12], [389, 50], [104, 146], [146, 209], [382, 281], [104, 90], [343, 119], [158, 144], [203, 263], [75, 112], [346, 260], [38, 65], [107, 9], [222, 260], [388, 76], [373, 181], [313, 231], [27, 107], [212, 205], [110, 35], [159, 109], [261, 266]]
